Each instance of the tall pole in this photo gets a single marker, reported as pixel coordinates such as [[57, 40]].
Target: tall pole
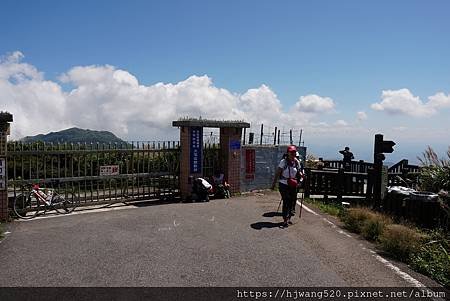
[[278, 137], [275, 136], [262, 132], [291, 141], [300, 139]]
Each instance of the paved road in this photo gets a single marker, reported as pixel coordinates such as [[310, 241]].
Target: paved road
[[233, 242]]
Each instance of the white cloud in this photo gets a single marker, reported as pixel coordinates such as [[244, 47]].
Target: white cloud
[[38, 105], [341, 123], [439, 100], [106, 98], [403, 102], [361, 116], [315, 104]]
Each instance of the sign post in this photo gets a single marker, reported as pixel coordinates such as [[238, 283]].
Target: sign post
[[380, 172]]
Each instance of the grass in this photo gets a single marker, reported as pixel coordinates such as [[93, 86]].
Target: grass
[[329, 208], [433, 258], [427, 252]]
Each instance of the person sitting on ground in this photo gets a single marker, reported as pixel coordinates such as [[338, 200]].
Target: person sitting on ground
[[221, 188], [201, 189]]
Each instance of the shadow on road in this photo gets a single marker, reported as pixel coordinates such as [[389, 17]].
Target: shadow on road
[[260, 225], [272, 214], [148, 203]]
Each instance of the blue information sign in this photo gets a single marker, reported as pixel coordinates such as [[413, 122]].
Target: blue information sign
[[196, 149], [235, 144]]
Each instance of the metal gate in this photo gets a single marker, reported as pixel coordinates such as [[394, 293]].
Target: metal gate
[[97, 173]]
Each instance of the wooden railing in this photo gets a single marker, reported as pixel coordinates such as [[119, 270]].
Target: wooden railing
[[335, 182]]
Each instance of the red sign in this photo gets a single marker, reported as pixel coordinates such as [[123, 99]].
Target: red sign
[[250, 162]]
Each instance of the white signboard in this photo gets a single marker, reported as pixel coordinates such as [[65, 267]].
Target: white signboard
[[109, 170], [2, 174]]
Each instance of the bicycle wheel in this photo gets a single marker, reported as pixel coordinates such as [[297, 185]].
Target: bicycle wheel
[[64, 202], [26, 207]]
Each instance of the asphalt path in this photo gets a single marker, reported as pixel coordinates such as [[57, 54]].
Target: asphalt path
[[230, 242]]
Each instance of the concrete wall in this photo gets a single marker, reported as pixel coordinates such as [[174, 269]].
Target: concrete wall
[[267, 158]]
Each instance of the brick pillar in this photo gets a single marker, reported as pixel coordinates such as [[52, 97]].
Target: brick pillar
[[230, 139], [5, 118], [185, 163]]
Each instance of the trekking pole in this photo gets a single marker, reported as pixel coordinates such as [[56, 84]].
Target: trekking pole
[[301, 205], [279, 205]]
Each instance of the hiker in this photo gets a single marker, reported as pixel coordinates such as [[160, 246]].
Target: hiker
[[221, 188], [287, 178], [348, 157]]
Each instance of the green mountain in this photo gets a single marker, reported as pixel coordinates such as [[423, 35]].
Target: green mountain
[[75, 135]]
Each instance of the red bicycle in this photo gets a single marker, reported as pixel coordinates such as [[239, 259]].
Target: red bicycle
[[28, 205]]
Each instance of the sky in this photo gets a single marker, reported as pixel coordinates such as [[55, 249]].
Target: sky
[[342, 71]]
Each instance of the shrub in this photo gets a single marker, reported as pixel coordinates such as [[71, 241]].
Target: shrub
[[354, 218], [400, 241], [374, 225], [435, 173], [433, 258]]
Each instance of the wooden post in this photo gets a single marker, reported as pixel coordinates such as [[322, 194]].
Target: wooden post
[[377, 167], [340, 183], [308, 183]]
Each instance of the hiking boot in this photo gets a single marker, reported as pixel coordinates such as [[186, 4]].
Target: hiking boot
[[284, 225]]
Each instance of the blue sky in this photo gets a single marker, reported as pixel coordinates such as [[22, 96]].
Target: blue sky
[[347, 52]]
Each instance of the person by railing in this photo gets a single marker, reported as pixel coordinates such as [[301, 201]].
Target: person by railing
[[348, 157]]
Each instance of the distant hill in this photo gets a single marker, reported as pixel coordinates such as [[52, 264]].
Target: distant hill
[[75, 135]]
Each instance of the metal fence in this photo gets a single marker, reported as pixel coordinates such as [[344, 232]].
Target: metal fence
[[97, 173], [211, 159]]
